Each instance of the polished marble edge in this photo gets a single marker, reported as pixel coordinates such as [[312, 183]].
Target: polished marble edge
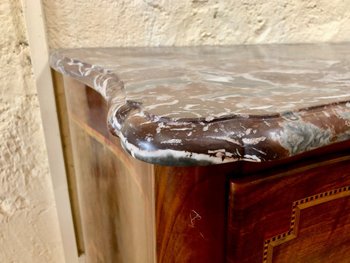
[[201, 142]]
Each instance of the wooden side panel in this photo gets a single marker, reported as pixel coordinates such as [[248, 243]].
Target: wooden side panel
[[300, 215], [191, 213], [68, 157], [115, 191]]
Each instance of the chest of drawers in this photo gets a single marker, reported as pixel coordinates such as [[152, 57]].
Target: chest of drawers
[[210, 154]]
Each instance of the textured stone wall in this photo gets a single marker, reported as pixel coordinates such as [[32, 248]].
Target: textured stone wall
[[28, 221], [193, 22]]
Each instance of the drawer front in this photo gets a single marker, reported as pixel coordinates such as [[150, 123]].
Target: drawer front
[[301, 215]]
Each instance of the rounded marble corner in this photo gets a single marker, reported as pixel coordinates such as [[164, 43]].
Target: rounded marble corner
[[237, 138]]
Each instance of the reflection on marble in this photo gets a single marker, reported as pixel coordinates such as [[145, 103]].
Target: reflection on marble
[[203, 105]]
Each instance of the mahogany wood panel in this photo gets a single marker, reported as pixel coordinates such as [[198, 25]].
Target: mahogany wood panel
[[68, 157], [115, 191], [262, 212], [191, 213]]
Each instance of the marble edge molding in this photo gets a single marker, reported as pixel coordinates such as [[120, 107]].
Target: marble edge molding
[[255, 138]]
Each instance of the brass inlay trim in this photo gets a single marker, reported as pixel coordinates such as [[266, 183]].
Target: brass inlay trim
[[297, 206]]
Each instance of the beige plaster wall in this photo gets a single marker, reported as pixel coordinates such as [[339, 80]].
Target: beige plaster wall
[[193, 22], [28, 220]]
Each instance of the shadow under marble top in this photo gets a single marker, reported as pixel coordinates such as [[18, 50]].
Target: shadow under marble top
[[216, 104]]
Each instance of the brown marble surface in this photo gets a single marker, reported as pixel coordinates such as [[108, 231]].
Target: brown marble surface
[[203, 105]]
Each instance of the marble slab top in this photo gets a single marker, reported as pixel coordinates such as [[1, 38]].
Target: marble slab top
[[217, 104]]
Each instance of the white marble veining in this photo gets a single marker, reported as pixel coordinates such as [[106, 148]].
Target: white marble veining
[[231, 103]]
